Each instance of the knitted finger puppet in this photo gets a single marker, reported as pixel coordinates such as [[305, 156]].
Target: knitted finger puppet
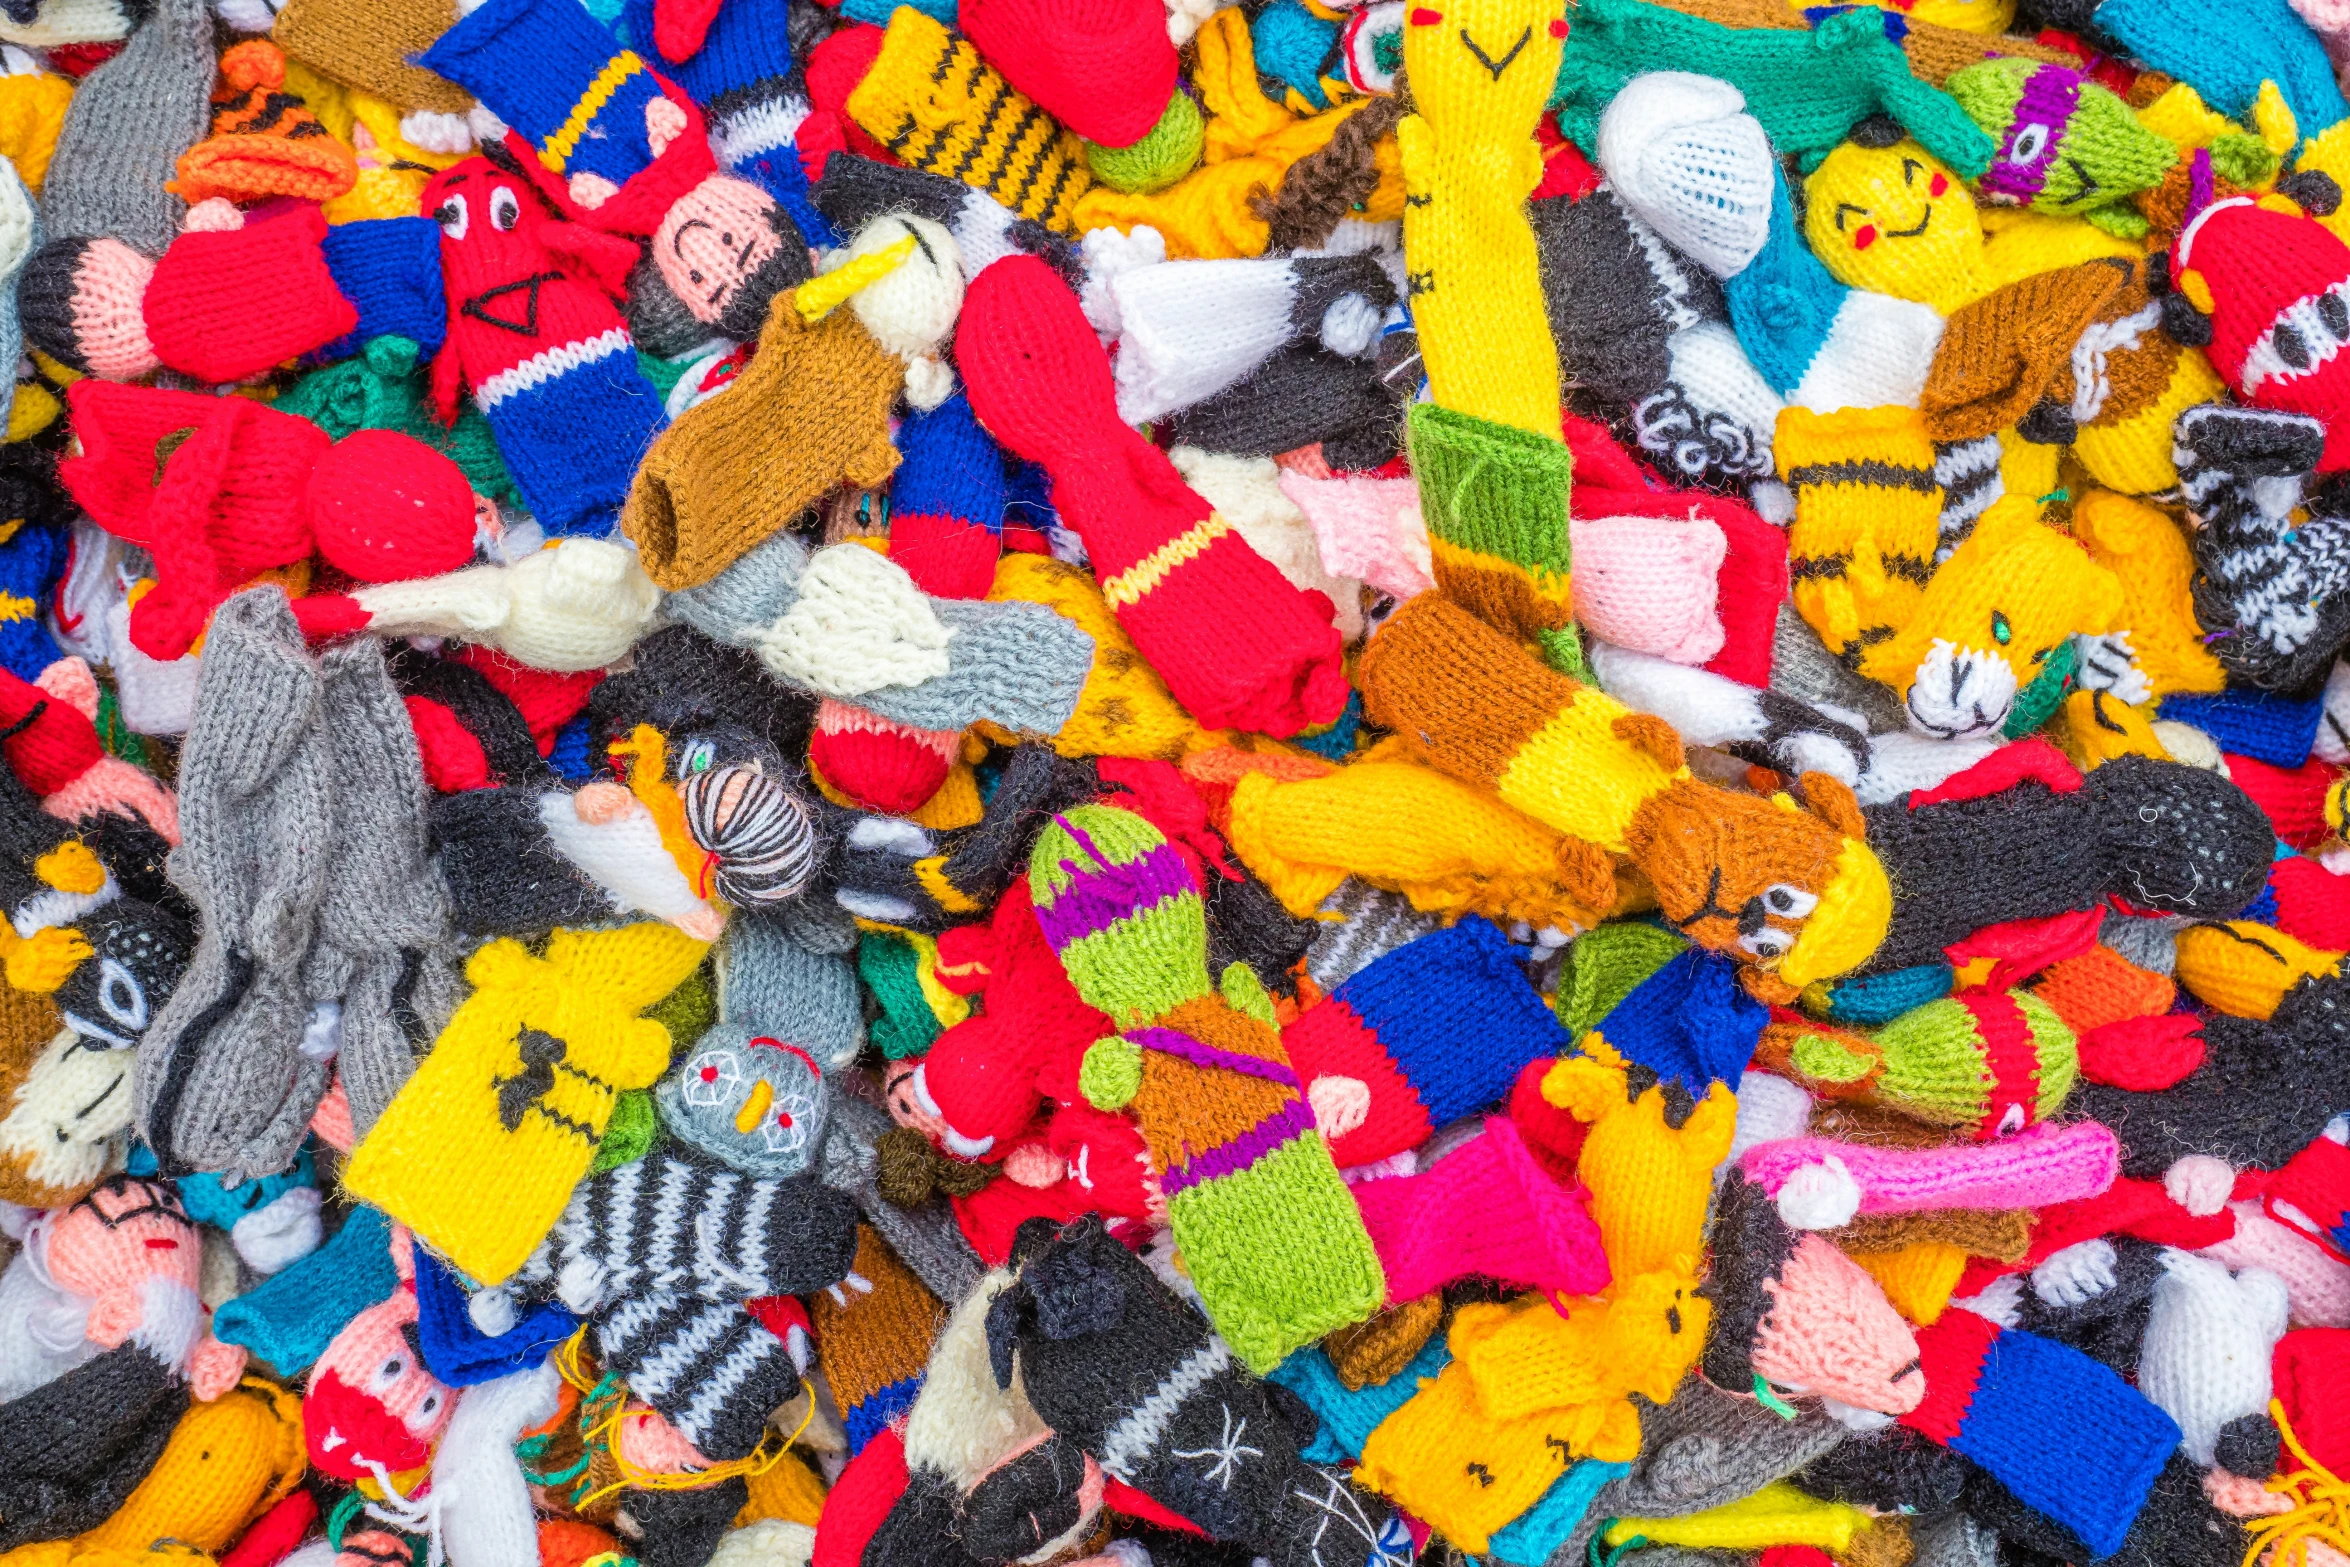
[[1794, 893], [1796, 1316], [1108, 73], [228, 1463], [265, 141], [1231, 1136], [811, 412], [1649, 1159], [579, 604], [1383, 1069], [755, 1103], [523, 1079], [936, 104], [2066, 144], [2198, 1307], [1883, 213], [2157, 836], [90, 1436], [1168, 563], [2268, 571], [64, 1116], [371, 1410], [621, 143], [1186, 1426], [1989, 1062], [2261, 1094], [2065, 1435], [535, 337], [2260, 286], [1956, 620], [273, 1221], [106, 179], [1534, 1386]]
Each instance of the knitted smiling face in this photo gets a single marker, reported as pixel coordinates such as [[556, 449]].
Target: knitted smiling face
[[751, 1102], [2065, 144], [1889, 216], [1478, 64]]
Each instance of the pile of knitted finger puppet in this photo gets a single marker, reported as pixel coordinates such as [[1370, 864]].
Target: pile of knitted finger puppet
[[1175, 783]]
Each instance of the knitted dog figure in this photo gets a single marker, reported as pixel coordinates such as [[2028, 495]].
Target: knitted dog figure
[[536, 336], [522, 1081], [1790, 890], [1118, 1366], [1268, 1232]]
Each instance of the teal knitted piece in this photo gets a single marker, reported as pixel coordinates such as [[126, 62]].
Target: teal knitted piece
[[1543, 1528], [1809, 89], [289, 1318], [1783, 306], [889, 967]]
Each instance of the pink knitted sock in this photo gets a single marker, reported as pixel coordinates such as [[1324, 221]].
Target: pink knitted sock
[[1820, 1183]]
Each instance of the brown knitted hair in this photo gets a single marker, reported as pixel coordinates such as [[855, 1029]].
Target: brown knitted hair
[[912, 1172], [1326, 184], [1376, 1349], [2003, 1235]]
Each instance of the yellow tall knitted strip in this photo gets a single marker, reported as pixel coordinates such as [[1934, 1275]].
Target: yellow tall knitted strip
[[557, 149], [1128, 587]]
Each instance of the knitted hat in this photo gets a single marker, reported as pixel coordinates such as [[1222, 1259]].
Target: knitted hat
[[1038, 381], [1681, 152], [1229, 1132], [265, 141]]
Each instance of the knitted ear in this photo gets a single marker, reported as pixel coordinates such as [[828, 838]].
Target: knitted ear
[[1832, 801], [2189, 327], [1012, 1311], [2315, 190]]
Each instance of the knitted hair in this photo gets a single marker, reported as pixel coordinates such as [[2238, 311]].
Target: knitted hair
[[1271, 1239]]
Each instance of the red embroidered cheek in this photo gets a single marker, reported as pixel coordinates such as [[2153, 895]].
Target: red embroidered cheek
[[1864, 236], [1424, 16], [1558, 29], [1941, 183]]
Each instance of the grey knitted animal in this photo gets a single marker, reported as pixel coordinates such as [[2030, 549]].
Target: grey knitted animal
[[224, 1080], [129, 121]]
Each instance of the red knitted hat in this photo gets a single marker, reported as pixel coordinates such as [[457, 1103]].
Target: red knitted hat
[[1103, 68], [2276, 285]]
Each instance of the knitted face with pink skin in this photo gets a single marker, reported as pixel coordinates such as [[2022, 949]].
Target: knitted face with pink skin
[[370, 1403], [1831, 1332], [127, 1231], [725, 255]]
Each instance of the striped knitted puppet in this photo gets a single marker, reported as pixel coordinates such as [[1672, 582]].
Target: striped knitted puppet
[[1267, 1230], [1492, 468]]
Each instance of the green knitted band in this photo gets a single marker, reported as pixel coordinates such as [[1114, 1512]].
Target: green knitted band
[[1119, 906]]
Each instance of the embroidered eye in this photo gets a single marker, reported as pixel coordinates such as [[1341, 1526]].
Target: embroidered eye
[[696, 756], [1767, 943], [1788, 902], [505, 209], [390, 1371], [2030, 142], [2001, 631], [451, 215]]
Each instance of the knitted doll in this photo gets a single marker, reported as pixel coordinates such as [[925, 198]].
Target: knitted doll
[[371, 1408], [1232, 1138], [523, 1078], [535, 337], [1795, 894], [2158, 836], [227, 1464], [1118, 1367], [1990, 1062]]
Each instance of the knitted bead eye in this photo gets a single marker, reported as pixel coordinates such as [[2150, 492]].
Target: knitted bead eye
[[1768, 942], [505, 209]]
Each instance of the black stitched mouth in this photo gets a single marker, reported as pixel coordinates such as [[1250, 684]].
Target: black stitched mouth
[[1487, 61], [1926, 218]]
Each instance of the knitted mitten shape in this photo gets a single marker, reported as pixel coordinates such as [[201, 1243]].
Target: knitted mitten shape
[[1105, 71], [1495, 500], [1483, 710], [1238, 645], [1682, 152], [1113, 1361], [811, 412], [2066, 1435], [206, 1501], [212, 489], [1808, 89], [225, 1081], [933, 102], [709, 1366], [2270, 281], [385, 957], [1479, 79], [2254, 1100], [2159, 835], [1267, 1229], [535, 336], [946, 502], [265, 141], [522, 1080], [128, 124]]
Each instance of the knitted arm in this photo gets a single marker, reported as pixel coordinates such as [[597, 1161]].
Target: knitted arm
[[1239, 646]]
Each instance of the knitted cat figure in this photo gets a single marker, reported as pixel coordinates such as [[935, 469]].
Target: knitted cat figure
[[1267, 1230]]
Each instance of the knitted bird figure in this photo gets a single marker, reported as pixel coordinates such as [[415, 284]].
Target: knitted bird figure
[[1267, 1230], [536, 336]]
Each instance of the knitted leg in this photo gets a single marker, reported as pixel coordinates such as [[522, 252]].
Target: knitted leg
[[385, 952], [223, 1082], [1495, 500], [1867, 527]]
